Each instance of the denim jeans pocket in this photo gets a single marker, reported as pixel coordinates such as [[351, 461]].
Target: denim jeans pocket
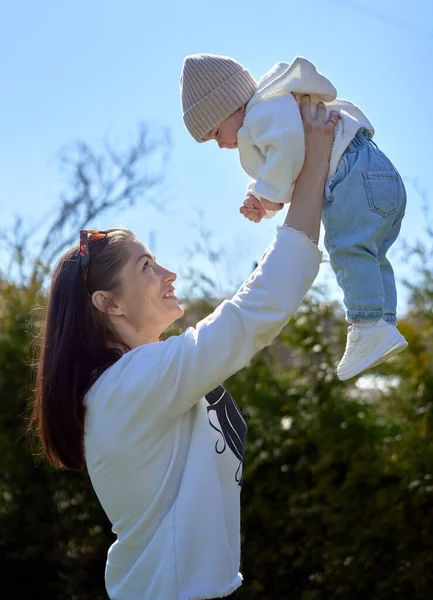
[[384, 191]]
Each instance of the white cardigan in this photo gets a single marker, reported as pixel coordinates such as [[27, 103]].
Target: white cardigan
[[271, 141], [164, 453]]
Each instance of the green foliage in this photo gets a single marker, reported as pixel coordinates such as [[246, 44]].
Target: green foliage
[[53, 533], [338, 482], [338, 490]]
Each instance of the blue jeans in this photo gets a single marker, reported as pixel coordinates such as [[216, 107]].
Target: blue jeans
[[365, 201]]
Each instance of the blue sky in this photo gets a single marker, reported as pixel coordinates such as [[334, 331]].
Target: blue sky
[[85, 69]]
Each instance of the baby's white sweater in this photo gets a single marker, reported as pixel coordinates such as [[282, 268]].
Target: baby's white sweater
[[271, 141], [164, 453]]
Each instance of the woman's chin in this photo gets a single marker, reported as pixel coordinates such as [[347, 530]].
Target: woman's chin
[[180, 310], [177, 311]]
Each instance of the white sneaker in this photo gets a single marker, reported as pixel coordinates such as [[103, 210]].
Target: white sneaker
[[401, 345], [366, 346]]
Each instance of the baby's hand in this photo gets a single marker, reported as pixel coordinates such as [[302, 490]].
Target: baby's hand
[[252, 209], [268, 205]]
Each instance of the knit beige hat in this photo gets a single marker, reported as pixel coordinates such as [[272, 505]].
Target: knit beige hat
[[211, 89]]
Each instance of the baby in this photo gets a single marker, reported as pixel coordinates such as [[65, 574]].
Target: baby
[[365, 197]]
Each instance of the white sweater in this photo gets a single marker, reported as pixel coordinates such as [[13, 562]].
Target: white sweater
[[165, 456], [271, 141]]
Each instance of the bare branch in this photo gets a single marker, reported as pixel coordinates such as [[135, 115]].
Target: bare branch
[[97, 181], [14, 240], [101, 181]]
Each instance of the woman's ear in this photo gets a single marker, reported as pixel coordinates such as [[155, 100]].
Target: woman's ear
[[104, 302]]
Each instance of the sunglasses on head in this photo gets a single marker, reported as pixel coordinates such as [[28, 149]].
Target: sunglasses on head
[[87, 236]]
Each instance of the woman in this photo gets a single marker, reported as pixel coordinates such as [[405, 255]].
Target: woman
[[162, 440]]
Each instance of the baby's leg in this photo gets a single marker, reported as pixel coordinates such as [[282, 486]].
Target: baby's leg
[[362, 216], [388, 279], [352, 247]]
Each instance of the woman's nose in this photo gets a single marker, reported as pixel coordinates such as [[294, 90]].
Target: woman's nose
[[170, 275]]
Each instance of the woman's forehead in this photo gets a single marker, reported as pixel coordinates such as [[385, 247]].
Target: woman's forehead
[[137, 250]]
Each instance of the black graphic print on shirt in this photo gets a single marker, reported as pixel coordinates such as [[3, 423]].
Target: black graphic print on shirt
[[232, 427]]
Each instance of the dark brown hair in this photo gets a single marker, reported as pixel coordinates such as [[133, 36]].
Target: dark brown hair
[[74, 346]]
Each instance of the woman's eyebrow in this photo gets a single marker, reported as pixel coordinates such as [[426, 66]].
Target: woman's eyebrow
[[145, 255]]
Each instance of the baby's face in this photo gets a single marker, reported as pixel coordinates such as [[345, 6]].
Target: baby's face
[[226, 133]]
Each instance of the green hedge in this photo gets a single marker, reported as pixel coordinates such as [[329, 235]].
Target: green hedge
[[338, 488]]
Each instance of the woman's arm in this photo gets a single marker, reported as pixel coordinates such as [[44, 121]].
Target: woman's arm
[[226, 341], [305, 210], [165, 379]]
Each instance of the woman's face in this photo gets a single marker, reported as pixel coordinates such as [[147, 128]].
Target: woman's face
[[146, 296]]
